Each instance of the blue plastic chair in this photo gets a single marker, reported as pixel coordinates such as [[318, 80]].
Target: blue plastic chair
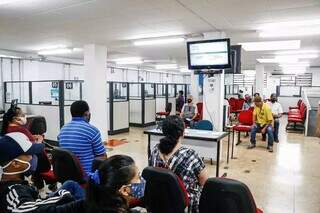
[[204, 125]]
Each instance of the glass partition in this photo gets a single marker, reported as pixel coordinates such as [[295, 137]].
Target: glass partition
[[120, 91], [149, 91], [46, 92], [72, 91], [171, 90], [17, 90], [161, 90], [290, 91], [180, 87], [135, 90]]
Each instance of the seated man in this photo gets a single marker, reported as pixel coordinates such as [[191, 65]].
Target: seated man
[[248, 102], [262, 121], [16, 195], [277, 111], [82, 138], [189, 112]]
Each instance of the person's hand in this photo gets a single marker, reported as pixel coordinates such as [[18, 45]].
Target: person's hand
[[263, 130]]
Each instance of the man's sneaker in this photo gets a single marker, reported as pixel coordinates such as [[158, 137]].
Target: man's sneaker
[[251, 146], [270, 148]]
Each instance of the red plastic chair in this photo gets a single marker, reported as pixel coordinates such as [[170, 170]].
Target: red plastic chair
[[233, 105], [167, 112], [200, 112], [245, 119]]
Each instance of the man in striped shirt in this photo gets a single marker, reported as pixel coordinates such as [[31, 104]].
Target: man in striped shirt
[[82, 138]]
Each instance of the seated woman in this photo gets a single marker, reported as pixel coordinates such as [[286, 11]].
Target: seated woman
[[114, 185], [184, 162], [14, 120]]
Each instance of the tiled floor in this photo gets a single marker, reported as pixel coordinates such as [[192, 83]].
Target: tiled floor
[[286, 181]]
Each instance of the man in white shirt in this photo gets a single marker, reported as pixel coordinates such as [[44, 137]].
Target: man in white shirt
[[277, 112], [189, 112]]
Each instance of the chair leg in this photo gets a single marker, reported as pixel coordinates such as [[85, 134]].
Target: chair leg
[[211, 161], [239, 141]]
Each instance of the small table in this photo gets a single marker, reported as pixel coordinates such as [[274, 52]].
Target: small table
[[205, 143]]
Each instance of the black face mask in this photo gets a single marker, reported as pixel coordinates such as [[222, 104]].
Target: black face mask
[[273, 100], [189, 101]]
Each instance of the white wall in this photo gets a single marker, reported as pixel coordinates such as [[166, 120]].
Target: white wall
[[315, 76]]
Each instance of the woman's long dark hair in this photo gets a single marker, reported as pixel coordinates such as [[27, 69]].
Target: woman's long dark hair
[[8, 118], [172, 128], [105, 197]]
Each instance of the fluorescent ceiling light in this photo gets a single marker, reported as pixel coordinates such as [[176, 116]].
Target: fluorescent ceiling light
[[294, 71], [296, 52], [302, 56], [9, 56], [271, 45], [76, 49], [55, 51], [129, 60], [158, 41], [52, 47], [290, 24], [274, 60], [301, 64], [301, 31], [2, 2], [166, 66]]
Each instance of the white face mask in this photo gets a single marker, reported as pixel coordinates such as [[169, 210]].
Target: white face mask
[[14, 173], [23, 120]]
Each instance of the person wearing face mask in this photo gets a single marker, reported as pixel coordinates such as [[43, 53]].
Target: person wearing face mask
[[16, 195], [277, 112], [184, 162], [82, 138], [248, 102], [113, 186], [189, 112], [14, 120]]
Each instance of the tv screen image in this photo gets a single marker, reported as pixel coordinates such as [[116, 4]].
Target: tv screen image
[[209, 54]]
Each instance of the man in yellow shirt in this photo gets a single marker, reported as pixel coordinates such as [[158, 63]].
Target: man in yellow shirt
[[262, 121]]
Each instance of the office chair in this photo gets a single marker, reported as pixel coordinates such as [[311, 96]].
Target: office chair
[[204, 125], [65, 166], [164, 191], [167, 112], [222, 195]]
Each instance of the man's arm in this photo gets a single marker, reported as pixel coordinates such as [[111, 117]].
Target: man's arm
[[98, 148], [195, 113]]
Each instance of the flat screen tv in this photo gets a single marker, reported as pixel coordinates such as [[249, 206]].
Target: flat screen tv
[[209, 54]]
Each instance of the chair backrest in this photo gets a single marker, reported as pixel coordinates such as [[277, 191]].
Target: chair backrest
[[227, 196], [299, 102], [246, 117], [66, 166], [204, 125], [163, 193], [233, 104], [37, 125], [168, 108], [200, 110], [239, 103]]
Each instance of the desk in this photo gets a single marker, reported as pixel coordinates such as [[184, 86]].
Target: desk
[[205, 143]]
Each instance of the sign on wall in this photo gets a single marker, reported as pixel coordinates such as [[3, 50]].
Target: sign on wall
[[69, 85]]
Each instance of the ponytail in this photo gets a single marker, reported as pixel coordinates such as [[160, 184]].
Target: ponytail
[[172, 128]]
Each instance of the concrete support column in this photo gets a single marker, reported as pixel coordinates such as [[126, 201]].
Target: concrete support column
[[194, 87], [95, 86], [260, 79]]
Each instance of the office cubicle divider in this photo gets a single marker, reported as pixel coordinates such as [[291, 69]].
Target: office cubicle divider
[[49, 98], [142, 104], [119, 109]]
